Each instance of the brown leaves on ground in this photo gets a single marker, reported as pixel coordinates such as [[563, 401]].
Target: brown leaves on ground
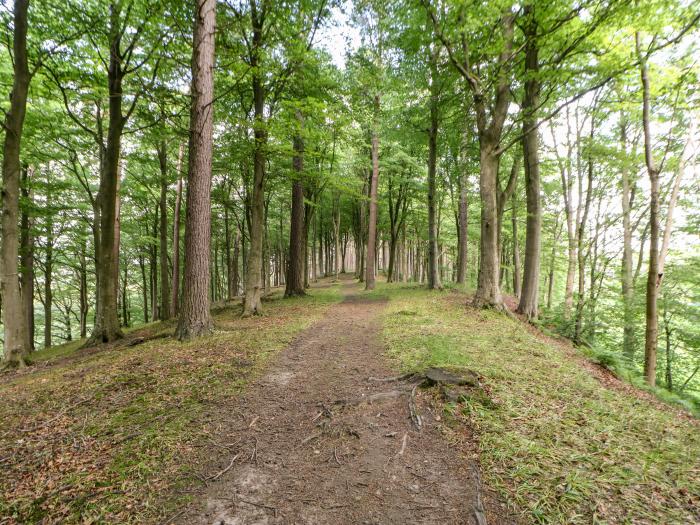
[[112, 434]]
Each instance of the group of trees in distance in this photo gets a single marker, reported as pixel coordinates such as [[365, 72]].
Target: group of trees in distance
[[161, 155]]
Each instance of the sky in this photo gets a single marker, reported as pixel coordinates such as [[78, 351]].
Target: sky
[[339, 36]]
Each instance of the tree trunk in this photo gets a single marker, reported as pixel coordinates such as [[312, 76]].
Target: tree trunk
[[488, 292], [463, 230], [372, 222], [165, 296], [433, 267], [195, 317], [83, 288], [297, 238], [516, 248], [529, 299], [48, 283], [628, 341], [175, 288], [580, 235], [106, 327], [27, 258], [13, 315], [652, 314], [144, 287], [252, 303]]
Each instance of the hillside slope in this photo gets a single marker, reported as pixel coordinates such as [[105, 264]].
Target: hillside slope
[[561, 440]]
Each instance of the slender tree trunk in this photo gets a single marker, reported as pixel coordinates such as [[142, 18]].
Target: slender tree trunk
[[653, 281], [529, 299], [252, 303], [336, 235], [628, 342], [175, 288], [144, 287], [165, 295], [580, 235], [372, 222], [27, 258], [433, 268], [48, 284], [83, 292], [516, 248], [13, 315], [195, 317], [462, 229], [297, 237]]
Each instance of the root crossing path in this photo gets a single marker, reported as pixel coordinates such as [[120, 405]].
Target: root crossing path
[[319, 439]]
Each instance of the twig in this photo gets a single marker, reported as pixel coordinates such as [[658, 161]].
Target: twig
[[268, 507], [403, 444], [255, 420], [311, 438], [172, 518], [224, 471], [335, 455]]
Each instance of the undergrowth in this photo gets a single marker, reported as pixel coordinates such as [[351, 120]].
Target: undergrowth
[[556, 443], [113, 435]]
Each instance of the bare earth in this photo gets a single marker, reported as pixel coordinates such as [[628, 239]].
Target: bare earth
[[305, 445]]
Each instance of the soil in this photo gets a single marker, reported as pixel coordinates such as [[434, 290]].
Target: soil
[[319, 439]]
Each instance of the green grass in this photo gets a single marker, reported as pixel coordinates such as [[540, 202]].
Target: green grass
[[111, 436], [559, 446]]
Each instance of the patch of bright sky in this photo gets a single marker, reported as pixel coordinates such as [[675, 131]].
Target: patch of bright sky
[[340, 36]]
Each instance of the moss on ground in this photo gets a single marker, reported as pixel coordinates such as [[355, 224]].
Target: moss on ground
[[559, 446], [114, 436]]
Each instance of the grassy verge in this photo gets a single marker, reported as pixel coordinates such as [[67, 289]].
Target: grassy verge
[[557, 444], [114, 436]]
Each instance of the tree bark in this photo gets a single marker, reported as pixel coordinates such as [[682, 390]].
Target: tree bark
[[297, 238], [195, 318], [372, 221], [529, 299], [27, 257], [165, 296], [516, 248], [629, 339], [252, 302], [653, 281], [106, 327], [13, 316], [433, 267], [463, 230], [175, 288], [48, 284]]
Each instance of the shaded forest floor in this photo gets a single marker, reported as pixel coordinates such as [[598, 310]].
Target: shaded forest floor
[[168, 432]]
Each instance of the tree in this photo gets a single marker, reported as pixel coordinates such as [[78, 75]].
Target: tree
[[195, 318], [14, 319]]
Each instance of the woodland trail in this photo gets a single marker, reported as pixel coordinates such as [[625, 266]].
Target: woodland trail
[[292, 453]]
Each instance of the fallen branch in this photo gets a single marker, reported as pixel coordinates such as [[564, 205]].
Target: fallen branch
[[403, 444], [224, 471]]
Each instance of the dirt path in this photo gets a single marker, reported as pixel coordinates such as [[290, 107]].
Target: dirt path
[[292, 454]]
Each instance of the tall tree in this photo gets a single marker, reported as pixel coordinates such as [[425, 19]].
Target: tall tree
[[195, 318], [529, 297], [14, 319], [297, 239]]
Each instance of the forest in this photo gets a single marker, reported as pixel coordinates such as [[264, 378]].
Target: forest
[[207, 203]]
